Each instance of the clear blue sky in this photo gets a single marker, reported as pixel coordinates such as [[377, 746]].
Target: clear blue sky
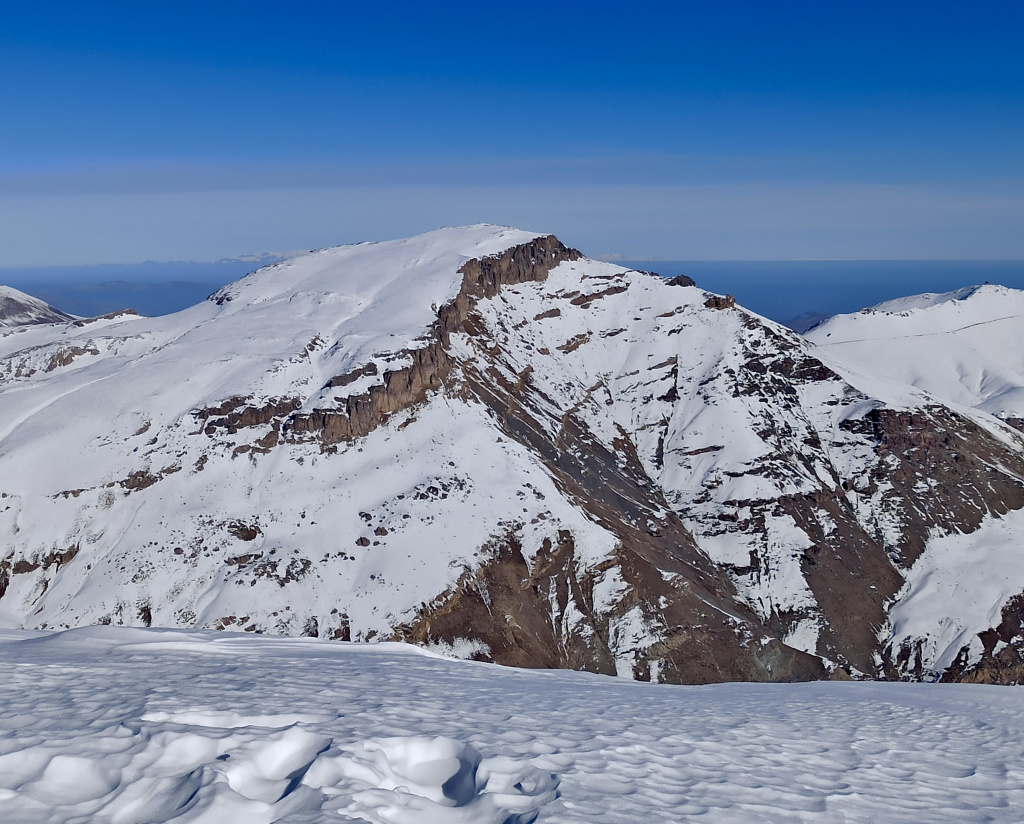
[[722, 130]]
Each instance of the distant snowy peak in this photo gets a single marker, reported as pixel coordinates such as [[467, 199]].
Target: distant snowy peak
[[944, 310], [19, 309], [964, 347], [929, 299]]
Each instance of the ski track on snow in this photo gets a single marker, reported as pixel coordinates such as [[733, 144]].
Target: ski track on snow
[[825, 344]]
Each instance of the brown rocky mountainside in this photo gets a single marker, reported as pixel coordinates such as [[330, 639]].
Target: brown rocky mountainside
[[481, 441]]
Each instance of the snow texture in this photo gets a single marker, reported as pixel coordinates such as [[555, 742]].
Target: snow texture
[[136, 726]]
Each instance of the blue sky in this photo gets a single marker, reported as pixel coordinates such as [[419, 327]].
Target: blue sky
[[162, 131]]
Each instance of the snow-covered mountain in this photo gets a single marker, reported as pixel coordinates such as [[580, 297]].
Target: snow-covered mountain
[[479, 440], [964, 347], [19, 309]]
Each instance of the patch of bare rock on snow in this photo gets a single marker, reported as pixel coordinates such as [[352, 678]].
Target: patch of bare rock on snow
[[134, 726]]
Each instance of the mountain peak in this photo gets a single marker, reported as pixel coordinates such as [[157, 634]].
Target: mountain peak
[[964, 347], [927, 300], [19, 309], [478, 437]]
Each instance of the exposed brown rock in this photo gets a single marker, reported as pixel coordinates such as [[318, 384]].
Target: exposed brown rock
[[244, 531], [680, 280], [586, 300], [66, 355], [237, 413], [850, 575], [52, 560], [1002, 659], [143, 479], [1016, 423], [521, 614], [969, 473], [351, 377], [720, 302], [574, 343]]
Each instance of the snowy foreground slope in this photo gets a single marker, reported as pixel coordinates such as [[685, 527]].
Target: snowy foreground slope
[[479, 440], [141, 726]]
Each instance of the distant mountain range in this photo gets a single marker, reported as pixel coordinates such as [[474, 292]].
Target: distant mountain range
[[151, 288], [479, 440]]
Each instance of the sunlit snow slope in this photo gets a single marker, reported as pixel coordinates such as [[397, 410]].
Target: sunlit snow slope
[[964, 347], [479, 440]]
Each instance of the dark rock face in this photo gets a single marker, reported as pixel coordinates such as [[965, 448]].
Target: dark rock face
[[1016, 423], [509, 608], [970, 473], [849, 574], [66, 355], [720, 302], [49, 563], [681, 280], [236, 413]]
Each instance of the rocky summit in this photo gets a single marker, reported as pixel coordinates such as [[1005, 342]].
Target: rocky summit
[[481, 441]]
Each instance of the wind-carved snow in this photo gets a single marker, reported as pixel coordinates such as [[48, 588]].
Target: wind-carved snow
[[209, 728], [964, 347]]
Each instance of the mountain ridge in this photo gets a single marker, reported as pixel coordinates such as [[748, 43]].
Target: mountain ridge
[[19, 309]]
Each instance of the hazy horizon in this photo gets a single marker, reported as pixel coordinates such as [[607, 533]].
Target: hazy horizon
[[783, 290]]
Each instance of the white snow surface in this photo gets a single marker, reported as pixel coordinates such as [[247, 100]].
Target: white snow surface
[[964, 347], [138, 726]]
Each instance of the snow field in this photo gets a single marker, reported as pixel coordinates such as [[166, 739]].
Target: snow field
[[964, 347], [131, 725]]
